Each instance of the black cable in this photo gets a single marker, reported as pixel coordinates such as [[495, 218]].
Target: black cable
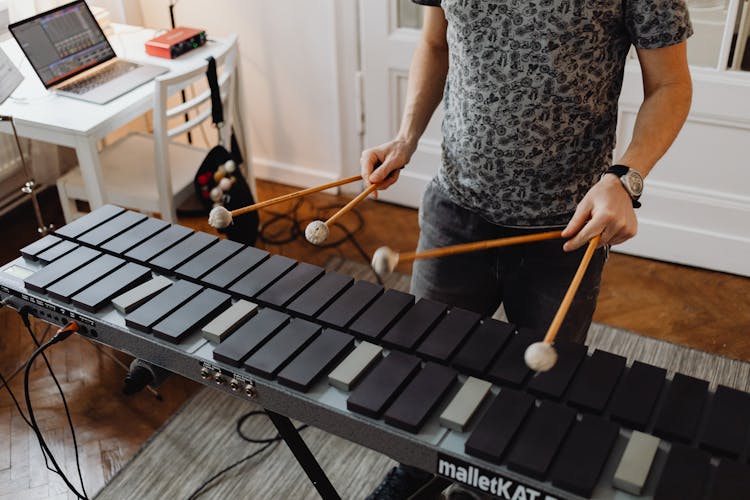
[[297, 230], [274, 439], [24, 312], [15, 401], [292, 217], [62, 334], [266, 442], [199, 491], [19, 369]]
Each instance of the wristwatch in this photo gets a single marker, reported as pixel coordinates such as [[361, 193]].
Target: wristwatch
[[630, 179]]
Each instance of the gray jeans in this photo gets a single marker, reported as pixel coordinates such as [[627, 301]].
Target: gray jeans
[[529, 280]]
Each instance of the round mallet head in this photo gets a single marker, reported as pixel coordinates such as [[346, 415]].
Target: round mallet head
[[219, 217], [316, 232], [384, 261], [540, 356], [225, 184], [230, 166], [217, 194]]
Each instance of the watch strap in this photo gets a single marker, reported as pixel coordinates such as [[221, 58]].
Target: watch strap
[[619, 171]]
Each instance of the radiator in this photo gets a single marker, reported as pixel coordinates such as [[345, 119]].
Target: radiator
[[12, 176], [10, 161]]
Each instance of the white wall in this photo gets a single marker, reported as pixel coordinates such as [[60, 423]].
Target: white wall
[[296, 77], [696, 202]]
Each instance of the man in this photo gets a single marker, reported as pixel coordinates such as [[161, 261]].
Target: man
[[530, 90]]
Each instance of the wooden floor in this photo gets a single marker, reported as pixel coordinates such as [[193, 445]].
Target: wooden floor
[[698, 308]]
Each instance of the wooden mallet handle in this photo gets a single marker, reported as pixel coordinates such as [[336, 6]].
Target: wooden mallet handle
[[554, 327], [296, 194], [361, 196], [478, 245]]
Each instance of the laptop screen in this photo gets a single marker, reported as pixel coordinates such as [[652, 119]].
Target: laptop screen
[[62, 42]]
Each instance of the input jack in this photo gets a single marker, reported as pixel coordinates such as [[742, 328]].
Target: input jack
[[250, 390]]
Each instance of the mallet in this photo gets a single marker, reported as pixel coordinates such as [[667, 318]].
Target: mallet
[[220, 217], [384, 260], [541, 356], [317, 231]]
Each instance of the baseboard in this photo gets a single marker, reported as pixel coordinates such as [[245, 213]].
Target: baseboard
[[695, 227], [407, 191], [288, 173], [685, 245]]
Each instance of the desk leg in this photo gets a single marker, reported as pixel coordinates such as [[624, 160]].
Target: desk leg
[[91, 170]]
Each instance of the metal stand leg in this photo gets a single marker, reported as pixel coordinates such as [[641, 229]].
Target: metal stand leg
[[303, 455], [30, 186]]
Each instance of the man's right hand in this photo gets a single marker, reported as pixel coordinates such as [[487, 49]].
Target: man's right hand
[[392, 156]]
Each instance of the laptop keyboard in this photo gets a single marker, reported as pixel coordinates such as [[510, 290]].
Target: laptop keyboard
[[100, 77]]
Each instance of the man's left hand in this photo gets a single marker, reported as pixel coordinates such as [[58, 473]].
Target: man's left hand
[[607, 209]]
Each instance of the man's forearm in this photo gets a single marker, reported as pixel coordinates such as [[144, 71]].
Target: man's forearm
[[427, 74], [659, 120], [667, 89]]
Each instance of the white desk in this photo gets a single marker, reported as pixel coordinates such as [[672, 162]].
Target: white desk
[[44, 116]]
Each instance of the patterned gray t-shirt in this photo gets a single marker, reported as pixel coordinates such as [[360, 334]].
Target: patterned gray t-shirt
[[531, 98]]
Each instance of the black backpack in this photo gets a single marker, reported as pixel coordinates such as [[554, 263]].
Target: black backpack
[[219, 164]]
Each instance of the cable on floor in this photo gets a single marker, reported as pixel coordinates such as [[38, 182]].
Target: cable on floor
[[266, 442]]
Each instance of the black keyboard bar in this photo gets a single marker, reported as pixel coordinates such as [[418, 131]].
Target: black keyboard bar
[[482, 347], [75, 282], [408, 331], [583, 455], [494, 432], [40, 280], [100, 293], [685, 474], [553, 383], [183, 251], [32, 250], [350, 304], [324, 291], [262, 276], [596, 380], [540, 438], [89, 221], [449, 334], [731, 478], [634, 401], [209, 259], [420, 398], [316, 360], [291, 285], [249, 336], [159, 306], [234, 268], [158, 244], [384, 382], [682, 408], [510, 368], [193, 314], [282, 347], [728, 422], [135, 236], [57, 251], [383, 313], [114, 227]]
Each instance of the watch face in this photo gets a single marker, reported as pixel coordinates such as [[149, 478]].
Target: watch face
[[635, 183]]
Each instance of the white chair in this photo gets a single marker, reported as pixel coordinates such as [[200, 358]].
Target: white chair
[[153, 173]]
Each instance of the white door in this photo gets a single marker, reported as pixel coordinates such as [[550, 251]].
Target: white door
[[390, 31]]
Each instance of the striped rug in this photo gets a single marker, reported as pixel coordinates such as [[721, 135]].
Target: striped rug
[[200, 439]]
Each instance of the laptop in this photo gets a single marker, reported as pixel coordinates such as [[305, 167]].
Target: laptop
[[72, 57]]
